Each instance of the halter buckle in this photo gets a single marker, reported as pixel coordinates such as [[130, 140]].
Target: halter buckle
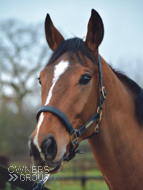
[[99, 110], [75, 139], [103, 92], [96, 129]]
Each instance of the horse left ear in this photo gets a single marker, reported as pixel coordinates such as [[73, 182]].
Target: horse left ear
[[53, 36], [95, 31]]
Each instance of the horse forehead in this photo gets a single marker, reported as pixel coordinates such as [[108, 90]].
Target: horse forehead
[[53, 76], [64, 66], [56, 69]]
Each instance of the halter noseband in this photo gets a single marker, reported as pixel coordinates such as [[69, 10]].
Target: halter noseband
[[78, 132]]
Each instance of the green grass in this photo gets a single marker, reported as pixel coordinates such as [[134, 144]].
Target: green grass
[[76, 185], [9, 187]]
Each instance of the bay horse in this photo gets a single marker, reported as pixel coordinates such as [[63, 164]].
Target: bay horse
[[84, 98]]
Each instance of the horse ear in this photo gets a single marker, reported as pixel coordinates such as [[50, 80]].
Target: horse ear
[[53, 36], [95, 31]]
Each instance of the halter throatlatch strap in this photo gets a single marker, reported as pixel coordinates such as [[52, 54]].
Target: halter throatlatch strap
[[75, 133]]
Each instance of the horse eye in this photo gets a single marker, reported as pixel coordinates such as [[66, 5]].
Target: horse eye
[[85, 79], [39, 79]]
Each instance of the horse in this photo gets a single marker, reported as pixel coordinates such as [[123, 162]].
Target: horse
[[83, 97]]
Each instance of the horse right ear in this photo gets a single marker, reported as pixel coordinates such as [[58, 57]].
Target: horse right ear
[[95, 31], [53, 36]]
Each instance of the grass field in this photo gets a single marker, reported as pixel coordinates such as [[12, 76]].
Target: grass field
[[72, 185]]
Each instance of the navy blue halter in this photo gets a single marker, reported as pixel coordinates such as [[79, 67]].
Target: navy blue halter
[[75, 133]]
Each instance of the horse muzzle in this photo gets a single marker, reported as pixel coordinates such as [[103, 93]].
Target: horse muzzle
[[46, 155]]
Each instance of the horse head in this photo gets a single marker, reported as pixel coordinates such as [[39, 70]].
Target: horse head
[[70, 95]]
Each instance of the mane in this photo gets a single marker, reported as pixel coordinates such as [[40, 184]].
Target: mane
[[73, 45], [138, 92]]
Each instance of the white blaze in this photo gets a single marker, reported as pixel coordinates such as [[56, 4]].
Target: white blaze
[[59, 69]]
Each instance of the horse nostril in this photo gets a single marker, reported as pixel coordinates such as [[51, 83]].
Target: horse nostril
[[49, 147]]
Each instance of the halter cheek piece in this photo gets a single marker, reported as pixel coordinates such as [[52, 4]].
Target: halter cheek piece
[[75, 133]]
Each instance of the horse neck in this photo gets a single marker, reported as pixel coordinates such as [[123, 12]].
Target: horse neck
[[119, 144]]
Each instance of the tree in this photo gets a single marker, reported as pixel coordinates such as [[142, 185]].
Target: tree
[[23, 53]]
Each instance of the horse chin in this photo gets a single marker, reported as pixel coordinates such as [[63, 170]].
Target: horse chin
[[56, 166], [49, 166], [55, 170]]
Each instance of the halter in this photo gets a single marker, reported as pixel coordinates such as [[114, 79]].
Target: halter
[[75, 133]]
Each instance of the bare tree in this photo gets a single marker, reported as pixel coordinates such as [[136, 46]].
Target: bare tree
[[23, 52]]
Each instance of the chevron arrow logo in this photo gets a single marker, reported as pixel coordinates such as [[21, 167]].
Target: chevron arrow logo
[[13, 177]]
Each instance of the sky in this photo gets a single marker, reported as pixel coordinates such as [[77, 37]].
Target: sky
[[122, 45]]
